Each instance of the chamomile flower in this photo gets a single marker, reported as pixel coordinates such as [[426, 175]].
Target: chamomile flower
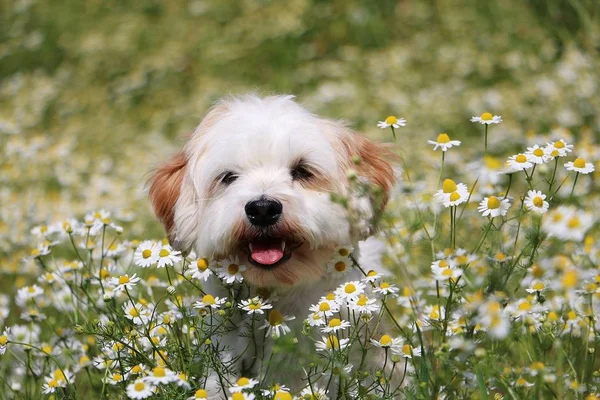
[[388, 342], [407, 351], [580, 165], [209, 301], [140, 389], [243, 384], [124, 282], [200, 394], [230, 270], [536, 286], [350, 291], [452, 194], [4, 338], [372, 276], [560, 148], [343, 251], [161, 376], [276, 324], [255, 305], [536, 201], [443, 142], [331, 343], [391, 121], [199, 269], [364, 305], [493, 206], [335, 325], [487, 118], [537, 155], [327, 308], [316, 319], [241, 396], [518, 162], [386, 289], [443, 274], [339, 266], [137, 313], [146, 254], [167, 256], [313, 393]]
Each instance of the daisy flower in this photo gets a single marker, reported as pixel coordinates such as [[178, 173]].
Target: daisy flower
[[327, 308], [519, 162], [580, 165], [336, 324], [372, 276], [124, 282], [443, 141], [199, 269], [146, 254], [331, 343], [407, 351], [255, 305], [536, 286], [487, 118], [243, 384], [339, 266], [537, 155], [161, 376], [316, 319], [452, 194], [388, 342], [391, 121], [167, 256], [139, 390], [386, 288], [560, 148], [364, 305], [230, 270], [350, 291], [242, 396], [137, 313], [443, 274], [115, 378], [343, 251], [493, 206], [200, 394], [276, 324], [4, 340], [209, 301], [313, 393], [536, 201]]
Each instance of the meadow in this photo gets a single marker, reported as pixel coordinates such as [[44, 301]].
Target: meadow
[[492, 242]]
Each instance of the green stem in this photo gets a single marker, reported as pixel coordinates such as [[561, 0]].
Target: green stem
[[574, 183]]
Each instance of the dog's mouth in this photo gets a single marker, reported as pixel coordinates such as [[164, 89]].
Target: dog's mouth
[[269, 252]]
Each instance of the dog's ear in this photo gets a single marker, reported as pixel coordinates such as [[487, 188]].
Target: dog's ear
[[165, 187]]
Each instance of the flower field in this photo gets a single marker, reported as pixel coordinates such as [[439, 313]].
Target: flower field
[[491, 235]]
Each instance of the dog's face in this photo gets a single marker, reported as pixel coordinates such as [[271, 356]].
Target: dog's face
[[255, 181]]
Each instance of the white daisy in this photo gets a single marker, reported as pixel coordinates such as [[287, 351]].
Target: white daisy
[[137, 313], [146, 254], [200, 394], [580, 165], [339, 266], [372, 276], [243, 384], [230, 270], [199, 269], [388, 342], [443, 274], [161, 376], [536, 286], [391, 121], [316, 319], [487, 118], [168, 257], [493, 206], [276, 324], [385, 288], [518, 162], [209, 301], [331, 343], [241, 396], [314, 393], [350, 291], [452, 194], [443, 141], [4, 338], [537, 155], [328, 308], [255, 305], [124, 282], [535, 201], [560, 148], [407, 351], [139, 390], [364, 305], [336, 324]]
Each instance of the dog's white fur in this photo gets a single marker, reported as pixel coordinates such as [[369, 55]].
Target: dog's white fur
[[261, 140]]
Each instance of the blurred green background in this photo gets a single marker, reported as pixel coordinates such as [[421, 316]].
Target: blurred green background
[[93, 94]]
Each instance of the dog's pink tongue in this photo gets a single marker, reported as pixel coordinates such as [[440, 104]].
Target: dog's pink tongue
[[267, 253]]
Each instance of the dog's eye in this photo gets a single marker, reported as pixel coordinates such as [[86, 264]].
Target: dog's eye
[[228, 178], [301, 172]]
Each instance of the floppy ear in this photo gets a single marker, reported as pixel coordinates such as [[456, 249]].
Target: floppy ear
[[165, 187]]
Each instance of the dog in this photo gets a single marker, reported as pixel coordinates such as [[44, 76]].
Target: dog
[[264, 181]]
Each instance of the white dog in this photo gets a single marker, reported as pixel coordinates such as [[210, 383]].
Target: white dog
[[256, 182]]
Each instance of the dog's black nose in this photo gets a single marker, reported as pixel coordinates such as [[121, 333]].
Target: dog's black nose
[[263, 212]]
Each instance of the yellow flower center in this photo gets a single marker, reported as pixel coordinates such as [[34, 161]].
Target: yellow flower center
[[391, 120], [574, 223], [202, 264], [123, 279], [385, 340], [139, 386], [454, 196], [340, 266], [146, 253], [53, 383], [208, 299], [579, 163], [316, 316], [570, 279], [559, 145], [330, 296], [275, 318], [384, 285], [462, 259], [443, 138], [524, 306], [406, 349], [3, 340], [493, 203], [521, 158], [159, 372], [58, 375], [164, 253], [362, 300], [84, 360], [538, 201], [237, 396], [443, 264], [47, 349], [372, 273], [343, 252], [233, 269], [136, 370], [538, 152], [500, 256], [117, 377], [486, 116], [333, 342], [335, 323], [552, 316], [201, 393], [350, 288], [134, 312], [538, 286], [447, 272], [571, 315], [281, 395], [449, 186], [324, 307], [243, 381]]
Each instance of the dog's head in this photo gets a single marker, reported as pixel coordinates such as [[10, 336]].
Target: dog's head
[[257, 180]]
